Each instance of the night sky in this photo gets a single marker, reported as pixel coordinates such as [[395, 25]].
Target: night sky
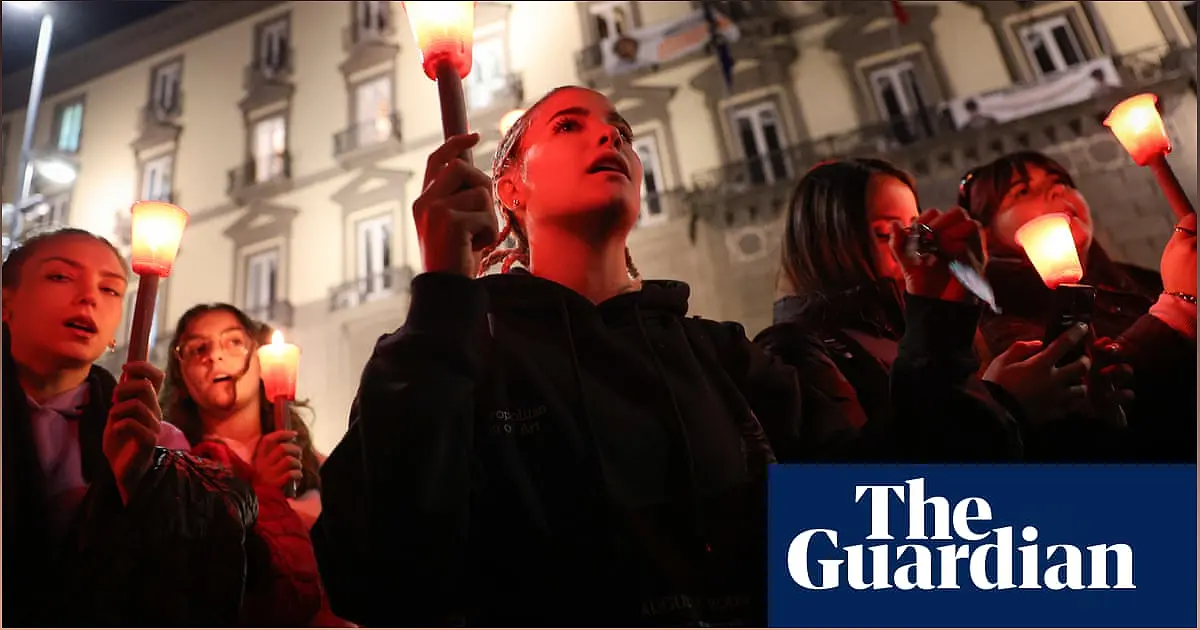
[[75, 23]]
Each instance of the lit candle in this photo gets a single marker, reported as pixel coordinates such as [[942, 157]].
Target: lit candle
[[280, 363], [445, 34], [1139, 128], [280, 366], [1050, 246], [157, 229]]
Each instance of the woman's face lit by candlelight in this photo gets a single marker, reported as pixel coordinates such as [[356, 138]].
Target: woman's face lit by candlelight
[[576, 157], [1038, 194], [220, 368]]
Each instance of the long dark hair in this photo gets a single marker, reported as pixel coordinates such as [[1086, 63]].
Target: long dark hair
[[182, 411], [983, 188], [828, 247]]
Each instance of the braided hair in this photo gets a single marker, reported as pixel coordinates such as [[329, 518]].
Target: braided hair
[[508, 154]]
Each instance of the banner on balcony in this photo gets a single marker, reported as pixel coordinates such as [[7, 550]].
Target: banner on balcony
[[982, 546], [660, 43], [1068, 87]]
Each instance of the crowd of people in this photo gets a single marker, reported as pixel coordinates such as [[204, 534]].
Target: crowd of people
[[559, 443]]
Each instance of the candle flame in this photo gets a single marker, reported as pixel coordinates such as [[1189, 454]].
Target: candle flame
[[1139, 128], [276, 338]]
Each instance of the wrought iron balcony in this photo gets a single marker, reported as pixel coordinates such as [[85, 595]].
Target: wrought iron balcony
[[786, 164], [159, 114], [258, 175], [260, 71], [755, 18], [279, 313], [367, 134], [928, 145], [359, 291]]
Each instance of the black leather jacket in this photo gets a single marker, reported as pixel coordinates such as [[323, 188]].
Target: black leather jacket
[[174, 557]]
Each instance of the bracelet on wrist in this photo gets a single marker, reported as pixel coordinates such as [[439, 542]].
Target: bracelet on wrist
[[1181, 295]]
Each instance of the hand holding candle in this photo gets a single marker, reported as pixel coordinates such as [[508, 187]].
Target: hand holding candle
[[280, 367], [1139, 128], [445, 33], [157, 230]]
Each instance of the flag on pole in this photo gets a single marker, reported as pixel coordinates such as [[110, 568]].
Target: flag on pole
[[899, 11], [719, 44]]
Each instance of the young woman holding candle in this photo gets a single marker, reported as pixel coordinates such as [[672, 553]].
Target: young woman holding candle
[[558, 444], [107, 521], [214, 393], [1151, 317], [846, 288]]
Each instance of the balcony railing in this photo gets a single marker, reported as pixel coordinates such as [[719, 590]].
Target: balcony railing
[[276, 168], [278, 313], [376, 286], [259, 71], [157, 114], [914, 139], [366, 134], [784, 165], [755, 18]]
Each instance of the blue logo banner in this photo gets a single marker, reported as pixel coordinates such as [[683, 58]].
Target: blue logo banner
[[982, 546]]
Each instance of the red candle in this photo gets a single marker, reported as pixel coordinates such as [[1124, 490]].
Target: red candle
[[1139, 128], [280, 368], [1048, 242], [445, 32], [157, 231]]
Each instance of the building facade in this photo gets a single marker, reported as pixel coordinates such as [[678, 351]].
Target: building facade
[[295, 133]]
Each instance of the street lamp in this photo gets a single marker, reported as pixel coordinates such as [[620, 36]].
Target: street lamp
[[57, 171], [25, 163]]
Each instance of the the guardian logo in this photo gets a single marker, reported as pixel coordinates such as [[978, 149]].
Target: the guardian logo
[[973, 551]]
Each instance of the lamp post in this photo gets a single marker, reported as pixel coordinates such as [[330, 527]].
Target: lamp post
[[445, 33], [25, 162], [1139, 128]]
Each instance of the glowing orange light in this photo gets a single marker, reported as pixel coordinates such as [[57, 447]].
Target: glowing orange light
[[280, 367], [1138, 127], [157, 231], [510, 119], [445, 32], [1048, 243]]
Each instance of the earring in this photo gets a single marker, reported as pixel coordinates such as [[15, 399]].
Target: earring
[[516, 203], [112, 346]]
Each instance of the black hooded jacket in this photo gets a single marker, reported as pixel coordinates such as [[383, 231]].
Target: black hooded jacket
[[518, 455]]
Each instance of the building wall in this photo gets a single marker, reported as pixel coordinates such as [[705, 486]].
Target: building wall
[[812, 65]]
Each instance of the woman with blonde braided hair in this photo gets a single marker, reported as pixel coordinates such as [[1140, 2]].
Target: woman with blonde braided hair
[[558, 444]]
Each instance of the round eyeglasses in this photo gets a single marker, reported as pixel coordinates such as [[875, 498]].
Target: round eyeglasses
[[234, 343]]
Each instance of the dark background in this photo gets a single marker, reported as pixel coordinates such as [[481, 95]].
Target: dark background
[[75, 22]]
